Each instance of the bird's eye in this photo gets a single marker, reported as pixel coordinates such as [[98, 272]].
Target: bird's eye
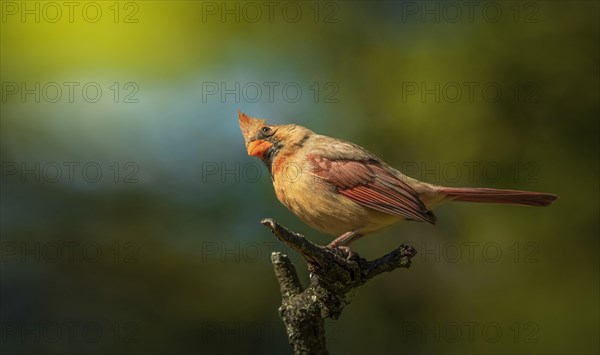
[[266, 130]]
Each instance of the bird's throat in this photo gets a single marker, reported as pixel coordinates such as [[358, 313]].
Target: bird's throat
[[270, 156]]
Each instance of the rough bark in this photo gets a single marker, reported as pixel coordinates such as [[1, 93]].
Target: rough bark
[[336, 274]]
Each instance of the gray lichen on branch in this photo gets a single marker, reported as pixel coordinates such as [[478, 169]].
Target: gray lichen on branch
[[335, 278]]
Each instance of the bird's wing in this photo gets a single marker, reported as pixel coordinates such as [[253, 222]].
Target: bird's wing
[[371, 184]]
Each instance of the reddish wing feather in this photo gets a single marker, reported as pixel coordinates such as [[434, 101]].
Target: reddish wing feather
[[371, 185]]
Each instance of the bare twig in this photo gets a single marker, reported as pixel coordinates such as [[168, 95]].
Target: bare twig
[[335, 277]]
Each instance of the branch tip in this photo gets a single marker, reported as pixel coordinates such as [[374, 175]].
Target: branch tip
[[269, 223]]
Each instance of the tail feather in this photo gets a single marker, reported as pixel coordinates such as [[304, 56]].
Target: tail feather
[[509, 197]]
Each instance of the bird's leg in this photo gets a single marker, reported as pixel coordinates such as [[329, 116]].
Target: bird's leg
[[345, 239], [341, 240]]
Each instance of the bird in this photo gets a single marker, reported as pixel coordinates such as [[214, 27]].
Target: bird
[[341, 189]]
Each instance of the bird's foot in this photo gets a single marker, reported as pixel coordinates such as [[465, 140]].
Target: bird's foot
[[346, 252], [341, 244]]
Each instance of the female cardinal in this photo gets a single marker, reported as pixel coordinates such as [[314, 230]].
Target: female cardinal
[[342, 189]]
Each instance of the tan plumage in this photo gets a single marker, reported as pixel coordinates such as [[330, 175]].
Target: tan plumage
[[340, 188]]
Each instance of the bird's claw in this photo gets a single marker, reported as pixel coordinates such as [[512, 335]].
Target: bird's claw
[[346, 252]]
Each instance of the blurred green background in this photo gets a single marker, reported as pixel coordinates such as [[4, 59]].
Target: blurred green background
[[163, 251]]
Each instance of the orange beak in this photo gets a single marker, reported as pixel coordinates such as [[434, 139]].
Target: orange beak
[[258, 148]]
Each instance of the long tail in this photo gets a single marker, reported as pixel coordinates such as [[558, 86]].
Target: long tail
[[509, 197]]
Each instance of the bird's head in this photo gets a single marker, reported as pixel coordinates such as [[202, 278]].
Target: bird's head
[[265, 141]]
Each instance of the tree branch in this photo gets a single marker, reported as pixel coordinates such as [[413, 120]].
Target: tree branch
[[336, 275]]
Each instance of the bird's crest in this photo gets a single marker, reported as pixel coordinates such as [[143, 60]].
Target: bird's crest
[[249, 126]]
